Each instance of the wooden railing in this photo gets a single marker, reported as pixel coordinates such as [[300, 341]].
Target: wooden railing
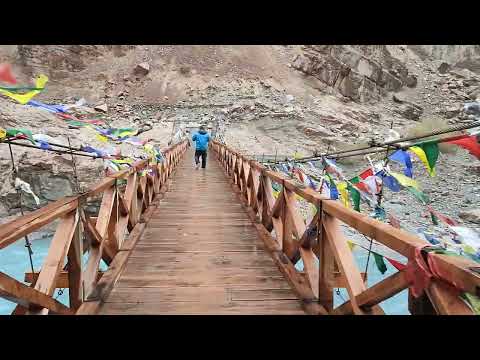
[[321, 244], [120, 221]]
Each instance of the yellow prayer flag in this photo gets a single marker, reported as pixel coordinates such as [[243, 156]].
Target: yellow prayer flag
[[423, 157], [404, 180], [101, 138], [3, 134], [351, 245], [25, 98], [342, 189]]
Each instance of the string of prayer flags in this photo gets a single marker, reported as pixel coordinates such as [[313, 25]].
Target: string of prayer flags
[[50, 108], [40, 83], [379, 262], [470, 143], [427, 152], [6, 74], [25, 187], [403, 157]]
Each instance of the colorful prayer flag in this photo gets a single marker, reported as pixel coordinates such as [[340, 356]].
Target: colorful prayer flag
[[402, 157], [470, 143], [405, 180], [40, 83], [351, 245], [6, 74], [428, 153], [397, 265], [380, 263], [355, 195], [21, 132]]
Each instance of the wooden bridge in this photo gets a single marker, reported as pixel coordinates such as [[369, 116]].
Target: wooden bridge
[[217, 241]]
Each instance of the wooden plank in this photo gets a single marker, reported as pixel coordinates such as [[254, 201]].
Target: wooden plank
[[326, 275], [445, 299], [345, 260], [21, 294], [62, 280], [377, 293], [57, 252], [106, 284], [91, 232], [36, 223], [74, 264]]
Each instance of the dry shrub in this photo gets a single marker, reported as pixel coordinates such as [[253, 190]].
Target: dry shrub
[[185, 70], [350, 160]]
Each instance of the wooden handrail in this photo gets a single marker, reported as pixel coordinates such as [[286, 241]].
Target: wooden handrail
[[119, 212], [284, 225]]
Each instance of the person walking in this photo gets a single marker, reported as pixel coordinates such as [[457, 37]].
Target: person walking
[[201, 139]]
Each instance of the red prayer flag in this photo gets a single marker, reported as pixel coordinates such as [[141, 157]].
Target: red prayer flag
[[362, 186], [398, 265], [444, 218], [6, 74], [469, 143], [366, 173]]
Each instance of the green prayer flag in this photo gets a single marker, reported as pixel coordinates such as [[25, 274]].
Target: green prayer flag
[[434, 219], [355, 195], [419, 195], [380, 263], [431, 151], [15, 132]]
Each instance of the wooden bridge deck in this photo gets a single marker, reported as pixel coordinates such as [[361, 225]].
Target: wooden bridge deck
[[200, 254]]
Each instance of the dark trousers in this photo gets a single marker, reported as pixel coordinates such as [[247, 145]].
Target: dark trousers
[[203, 154]]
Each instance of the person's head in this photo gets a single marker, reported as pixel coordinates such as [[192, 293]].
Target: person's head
[[202, 129]]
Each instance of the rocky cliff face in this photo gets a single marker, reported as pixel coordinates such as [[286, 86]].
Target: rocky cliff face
[[360, 73], [59, 60]]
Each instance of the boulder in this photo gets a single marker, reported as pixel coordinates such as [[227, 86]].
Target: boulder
[[451, 112], [471, 216], [444, 68], [142, 69], [411, 81], [410, 111], [101, 107]]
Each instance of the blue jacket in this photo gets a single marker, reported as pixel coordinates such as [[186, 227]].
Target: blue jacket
[[201, 139]]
